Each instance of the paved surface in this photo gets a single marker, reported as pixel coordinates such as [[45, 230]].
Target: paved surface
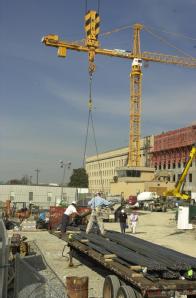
[[156, 227]]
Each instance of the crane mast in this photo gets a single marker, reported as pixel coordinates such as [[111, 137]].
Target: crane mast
[[92, 47], [135, 101]]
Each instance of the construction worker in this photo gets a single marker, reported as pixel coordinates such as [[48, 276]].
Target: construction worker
[[43, 221], [69, 213], [96, 204], [123, 220]]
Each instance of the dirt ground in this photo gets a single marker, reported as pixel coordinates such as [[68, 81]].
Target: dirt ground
[[155, 227], [160, 228]]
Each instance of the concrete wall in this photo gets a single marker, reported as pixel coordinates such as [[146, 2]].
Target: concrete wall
[[158, 186], [38, 195], [128, 188], [133, 188]]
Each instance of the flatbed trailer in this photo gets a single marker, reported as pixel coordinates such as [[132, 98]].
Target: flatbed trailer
[[126, 281]]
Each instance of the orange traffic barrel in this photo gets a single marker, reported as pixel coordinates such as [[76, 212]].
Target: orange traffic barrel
[[77, 287]]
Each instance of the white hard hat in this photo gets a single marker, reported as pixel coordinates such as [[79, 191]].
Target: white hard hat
[[73, 203], [122, 210]]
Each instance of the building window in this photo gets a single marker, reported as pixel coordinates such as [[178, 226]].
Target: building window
[[164, 166], [160, 166], [129, 173], [169, 166], [190, 177], [30, 196], [174, 178], [64, 194], [12, 196], [179, 164], [174, 165], [49, 197]]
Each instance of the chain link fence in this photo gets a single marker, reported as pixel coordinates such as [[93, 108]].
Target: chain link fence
[[35, 278], [3, 260]]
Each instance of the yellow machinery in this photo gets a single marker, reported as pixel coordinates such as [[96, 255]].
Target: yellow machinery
[[177, 191], [92, 47]]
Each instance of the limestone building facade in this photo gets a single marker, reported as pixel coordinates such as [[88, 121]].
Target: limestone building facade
[[166, 153], [102, 171]]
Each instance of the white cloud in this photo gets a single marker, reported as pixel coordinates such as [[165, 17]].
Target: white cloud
[[109, 104]]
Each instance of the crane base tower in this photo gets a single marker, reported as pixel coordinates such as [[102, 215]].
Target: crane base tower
[[131, 180]]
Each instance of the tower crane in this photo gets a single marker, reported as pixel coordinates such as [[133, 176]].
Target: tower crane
[[92, 47]]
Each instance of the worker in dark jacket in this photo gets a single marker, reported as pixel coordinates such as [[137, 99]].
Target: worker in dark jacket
[[123, 220]]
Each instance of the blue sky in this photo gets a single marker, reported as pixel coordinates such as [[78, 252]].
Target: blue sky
[[43, 114]]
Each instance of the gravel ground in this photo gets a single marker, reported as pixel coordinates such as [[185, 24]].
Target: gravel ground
[[155, 227]]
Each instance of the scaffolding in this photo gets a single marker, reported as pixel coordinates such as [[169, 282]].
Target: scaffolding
[[173, 146]]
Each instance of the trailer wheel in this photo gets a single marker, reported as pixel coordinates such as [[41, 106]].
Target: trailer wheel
[[126, 292], [111, 286]]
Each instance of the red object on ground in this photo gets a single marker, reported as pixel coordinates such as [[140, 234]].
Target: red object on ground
[[56, 214]]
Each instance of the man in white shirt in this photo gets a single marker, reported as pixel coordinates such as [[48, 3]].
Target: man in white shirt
[[96, 203], [68, 214]]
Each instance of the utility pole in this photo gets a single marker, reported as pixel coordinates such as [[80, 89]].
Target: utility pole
[[37, 170], [64, 165]]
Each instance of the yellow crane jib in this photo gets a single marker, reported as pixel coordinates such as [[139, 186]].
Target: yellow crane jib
[[53, 39]]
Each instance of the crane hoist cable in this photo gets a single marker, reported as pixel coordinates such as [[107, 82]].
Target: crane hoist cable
[[166, 42], [89, 117], [172, 33], [86, 6], [90, 121]]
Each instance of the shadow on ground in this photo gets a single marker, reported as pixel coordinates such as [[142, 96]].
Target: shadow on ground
[[136, 233], [176, 233]]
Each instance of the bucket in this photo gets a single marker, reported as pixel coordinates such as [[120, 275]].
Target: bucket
[[77, 287]]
